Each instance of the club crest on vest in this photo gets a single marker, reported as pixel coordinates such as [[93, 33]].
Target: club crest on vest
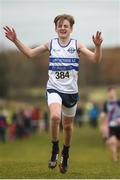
[[71, 50]]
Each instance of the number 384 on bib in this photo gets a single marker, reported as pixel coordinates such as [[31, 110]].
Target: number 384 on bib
[[62, 74]]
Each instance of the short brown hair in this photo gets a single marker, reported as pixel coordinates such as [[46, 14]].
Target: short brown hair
[[110, 88], [62, 17]]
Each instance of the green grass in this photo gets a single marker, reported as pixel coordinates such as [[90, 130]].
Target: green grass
[[28, 158]]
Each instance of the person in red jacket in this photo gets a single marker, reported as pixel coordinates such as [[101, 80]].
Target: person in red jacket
[[35, 118]]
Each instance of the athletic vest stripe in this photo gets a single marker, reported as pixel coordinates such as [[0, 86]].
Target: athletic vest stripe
[[63, 60], [63, 67]]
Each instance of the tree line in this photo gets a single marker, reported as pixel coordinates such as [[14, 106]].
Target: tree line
[[16, 71]]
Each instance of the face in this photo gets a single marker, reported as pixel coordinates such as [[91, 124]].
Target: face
[[63, 29], [112, 94]]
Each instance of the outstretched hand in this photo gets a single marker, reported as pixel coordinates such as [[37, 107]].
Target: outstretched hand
[[10, 33], [97, 39]]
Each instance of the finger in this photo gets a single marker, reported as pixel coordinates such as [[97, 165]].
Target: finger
[[8, 28], [93, 38], [99, 34], [13, 30], [5, 29], [101, 40], [6, 36]]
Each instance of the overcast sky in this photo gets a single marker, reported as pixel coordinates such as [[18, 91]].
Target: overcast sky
[[33, 20]]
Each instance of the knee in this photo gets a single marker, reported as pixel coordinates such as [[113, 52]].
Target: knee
[[112, 141], [55, 118], [67, 127]]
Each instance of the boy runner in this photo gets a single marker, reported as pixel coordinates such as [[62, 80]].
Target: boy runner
[[62, 88]]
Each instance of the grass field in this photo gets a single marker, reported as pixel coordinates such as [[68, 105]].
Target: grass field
[[28, 158]]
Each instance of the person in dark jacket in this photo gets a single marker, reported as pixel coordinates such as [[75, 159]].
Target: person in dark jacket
[[3, 125], [111, 122]]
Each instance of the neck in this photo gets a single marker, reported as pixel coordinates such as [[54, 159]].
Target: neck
[[64, 41], [113, 99]]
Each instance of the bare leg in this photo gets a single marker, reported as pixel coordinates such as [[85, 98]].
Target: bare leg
[[119, 144], [55, 115], [118, 147], [67, 129], [112, 143]]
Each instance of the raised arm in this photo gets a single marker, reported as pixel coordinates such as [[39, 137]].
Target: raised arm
[[29, 52], [95, 56]]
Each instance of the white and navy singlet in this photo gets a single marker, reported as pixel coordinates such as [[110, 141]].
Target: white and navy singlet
[[63, 67]]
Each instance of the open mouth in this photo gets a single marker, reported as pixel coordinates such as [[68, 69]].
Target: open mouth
[[63, 32]]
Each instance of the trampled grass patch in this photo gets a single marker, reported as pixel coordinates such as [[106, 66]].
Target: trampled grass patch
[[28, 158]]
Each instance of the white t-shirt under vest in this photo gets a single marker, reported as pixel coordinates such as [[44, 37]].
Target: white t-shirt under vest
[[63, 67]]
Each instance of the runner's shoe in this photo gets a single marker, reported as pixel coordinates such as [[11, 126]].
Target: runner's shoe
[[54, 157], [64, 163]]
